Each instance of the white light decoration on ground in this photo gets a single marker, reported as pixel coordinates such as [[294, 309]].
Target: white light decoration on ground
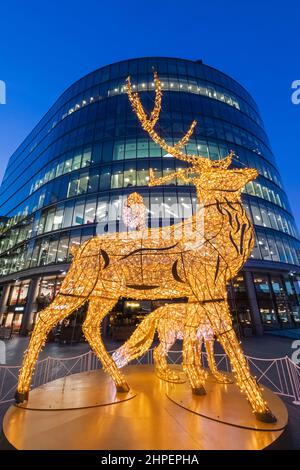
[[156, 263], [169, 322]]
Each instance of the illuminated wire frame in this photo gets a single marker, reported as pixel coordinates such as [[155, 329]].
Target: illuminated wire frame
[[166, 262], [169, 322]]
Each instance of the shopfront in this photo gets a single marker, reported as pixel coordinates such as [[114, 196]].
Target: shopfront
[[12, 316], [275, 304], [278, 300]]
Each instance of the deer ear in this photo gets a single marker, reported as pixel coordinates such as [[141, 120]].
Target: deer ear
[[225, 162]]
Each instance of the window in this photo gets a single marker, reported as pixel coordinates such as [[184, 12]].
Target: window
[[68, 165], [35, 252], [78, 213], [119, 148], [129, 177], [58, 218], [154, 149], [93, 181], [43, 254], [102, 210], [83, 183], [76, 161], [264, 299], [90, 211], [74, 241], [202, 148], [72, 186], [87, 156], [52, 252], [214, 152], [117, 178], [256, 214], [142, 174], [257, 189], [59, 168], [49, 220], [264, 247], [68, 214], [273, 248], [265, 218], [142, 149], [49, 287], [130, 149], [105, 178], [281, 250], [96, 155], [107, 151], [62, 249], [18, 293]]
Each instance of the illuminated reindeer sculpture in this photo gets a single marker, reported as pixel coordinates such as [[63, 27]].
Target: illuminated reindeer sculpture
[[165, 262]]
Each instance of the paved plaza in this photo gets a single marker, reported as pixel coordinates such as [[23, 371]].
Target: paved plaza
[[259, 347]]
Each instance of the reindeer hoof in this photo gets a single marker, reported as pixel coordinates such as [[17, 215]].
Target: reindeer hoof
[[123, 388], [223, 378], [199, 391], [266, 417], [21, 397], [168, 376]]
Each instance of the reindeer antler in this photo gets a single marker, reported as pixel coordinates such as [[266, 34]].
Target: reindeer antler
[[148, 124], [182, 174]]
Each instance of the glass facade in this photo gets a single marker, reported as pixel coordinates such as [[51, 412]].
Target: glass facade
[[89, 151]]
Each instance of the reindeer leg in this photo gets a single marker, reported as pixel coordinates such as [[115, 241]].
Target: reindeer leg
[[221, 320], [219, 376], [61, 307], [167, 338], [191, 347], [97, 310]]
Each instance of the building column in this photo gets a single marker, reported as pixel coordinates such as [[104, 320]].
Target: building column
[[254, 309], [4, 297], [31, 297]]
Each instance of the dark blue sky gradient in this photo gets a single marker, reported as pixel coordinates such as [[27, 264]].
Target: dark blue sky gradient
[[45, 46]]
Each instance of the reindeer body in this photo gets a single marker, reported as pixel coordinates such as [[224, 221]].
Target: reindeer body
[[134, 263]]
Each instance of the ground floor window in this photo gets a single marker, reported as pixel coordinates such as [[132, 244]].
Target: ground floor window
[[128, 313], [278, 300], [239, 305], [12, 316], [277, 295], [48, 289]]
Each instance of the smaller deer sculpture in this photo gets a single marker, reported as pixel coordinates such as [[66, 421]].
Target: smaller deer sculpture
[[169, 322]]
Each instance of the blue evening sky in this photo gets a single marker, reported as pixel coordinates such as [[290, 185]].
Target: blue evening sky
[[45, 46]]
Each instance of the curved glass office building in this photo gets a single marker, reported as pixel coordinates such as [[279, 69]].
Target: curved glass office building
[[66, 180]]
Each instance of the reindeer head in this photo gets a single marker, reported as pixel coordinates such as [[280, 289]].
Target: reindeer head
[[212, 178]]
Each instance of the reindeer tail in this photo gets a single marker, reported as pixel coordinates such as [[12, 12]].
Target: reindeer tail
[[138, 343]]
